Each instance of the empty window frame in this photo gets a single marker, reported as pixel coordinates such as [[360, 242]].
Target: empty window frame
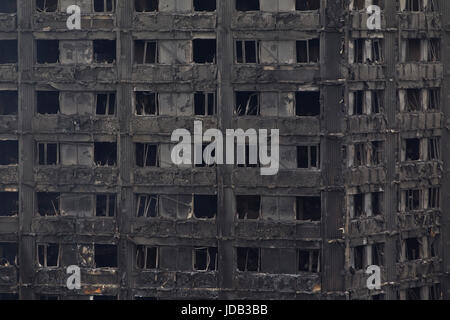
[[147, 258], [376, 152], [412, 149], [435, 292], [8, 254], [377, 203], [8, 6], [309, 208], [204, 50], [360, 156], [105, 153], [204, 103], [434, 99], [105, 205], [413, 200], [413, 50], [145, 52], [434, 50], [48, 153], [308, 51], [147, 205], [377, 101], [359, 46], [359, 257], [248, 259], [8, 53], [305, 5], [104, 51], [413, 100], [377, 50], [308, 260], [248, 207], [413, 5], [358, 102], [48, 255], [105, 103], [205, 206], [147, 155], [308, 157], [46, 5], [146, 5], [8, 102], [47, 51], [105, 255], [359, 4], [205, 259], [412, 249], [434, 148], [48, 203], [247, 51], [147, 103], [434, 198], [307, 103], [9, 152], [247, 5], [378, 254], [205, 5], [358, 205], [104, 5], [10, 204], [247, 103], [47, 102]]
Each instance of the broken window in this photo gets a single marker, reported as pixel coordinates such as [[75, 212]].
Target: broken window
[[145, 52], [105, 255], [412, 246], [413, 49], [247, 5], [8, 52], [8, 102], [308, 157], [307, 103], [434, 99], [358, 205], [146, 5], [377, 203], [248, 259], [247, 51], [205, 259], [147, 155], [309, 261], [147, 103], [147, 257], [359, 257], [413, 198], [359, 4], [358, 102], [47, 102], [48, 203], [377, 50], [359, 46], [413, 5], [48, 153], [147, 205], [412, 152], [204, 50], [308, 51], [10, 204], [47, 5], [434, 148], [309, 208], [105, 153], [377, 152], [413, 100], [205, 206], [8, 296], [248, 207], [9, 152], [434, 50], [377, 101], [305, 5], [360, 155], [8, 254], [433, 5], [105, 103], [47, 51], [204, 5], [48, 255], [204, 104], [247, 103], [434, 198], [8, 6], [378, 254], [105, 205], [104, 51], [435, 292], [104, 5]]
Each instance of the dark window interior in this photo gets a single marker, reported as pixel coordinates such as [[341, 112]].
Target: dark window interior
[[46, 5], [359, 257], [105, 256], [9, 152], [307, 103], [412, 249], [146, 155], [8, 254], [204, 50], [48, 203], [205, 5], [8, 6], [47, 51], [413, 50], [10, 204], [205, 206], [47, 102], [412, 149], [145, 52], [247, 103], [204, 103], [48, 255], [104, 5], [248, 259], [105, 153], [248, 207], [205, 259], [104, 51], [147, 103], [105, 103], [247, 5], [8, 102], [146, 5], [304, 5], [309, 208], [147, 205], [48, 153], [105, 205], [8, 51]]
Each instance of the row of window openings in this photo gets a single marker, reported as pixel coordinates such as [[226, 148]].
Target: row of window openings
[[248, 207], [146, 103], [405, 5]]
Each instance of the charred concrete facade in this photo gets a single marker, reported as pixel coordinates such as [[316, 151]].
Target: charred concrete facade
[[87, 179]]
